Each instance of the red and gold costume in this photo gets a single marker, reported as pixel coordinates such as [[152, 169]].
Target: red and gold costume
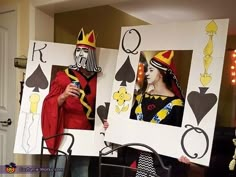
[[74, 112]]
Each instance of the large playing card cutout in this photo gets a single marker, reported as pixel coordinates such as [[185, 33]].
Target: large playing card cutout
[[125, 73], [37, 80], [201, 102]]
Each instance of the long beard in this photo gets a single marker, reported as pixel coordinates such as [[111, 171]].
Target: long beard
[[80, 62]]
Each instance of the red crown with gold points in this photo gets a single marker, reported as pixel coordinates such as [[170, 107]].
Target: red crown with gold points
[[162, 60], [88, 39]]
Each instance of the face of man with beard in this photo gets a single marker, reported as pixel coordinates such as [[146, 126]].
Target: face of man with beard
[[81, 56]]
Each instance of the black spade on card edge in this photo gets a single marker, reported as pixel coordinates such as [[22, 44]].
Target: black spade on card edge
[[37, 80], [103, 111], [125, 73], [201, 102]]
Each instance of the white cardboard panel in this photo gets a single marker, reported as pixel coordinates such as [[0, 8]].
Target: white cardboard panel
[[194, 138], [29, 134]]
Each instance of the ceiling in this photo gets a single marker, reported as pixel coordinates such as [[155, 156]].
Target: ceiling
[[154, 11]]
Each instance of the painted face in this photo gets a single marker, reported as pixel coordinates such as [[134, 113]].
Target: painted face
[[81, 56], [153, 74]]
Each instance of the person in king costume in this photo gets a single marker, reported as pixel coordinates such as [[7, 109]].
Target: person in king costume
[[70, 103]]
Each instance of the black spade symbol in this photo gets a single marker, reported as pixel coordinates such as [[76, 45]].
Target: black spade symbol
[[201, 103], [125, 73], [103, 111], [37, 80]]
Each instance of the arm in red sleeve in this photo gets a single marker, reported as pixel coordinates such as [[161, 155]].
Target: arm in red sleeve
[[52, 114]]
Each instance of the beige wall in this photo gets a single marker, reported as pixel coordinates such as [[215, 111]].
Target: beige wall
[[31, 23], [105, 20], [44, 26], [22, 8]]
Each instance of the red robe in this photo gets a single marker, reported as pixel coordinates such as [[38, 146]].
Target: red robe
[[71, 115]]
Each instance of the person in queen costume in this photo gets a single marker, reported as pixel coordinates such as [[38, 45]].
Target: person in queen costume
[[160, 103], [70, 103]]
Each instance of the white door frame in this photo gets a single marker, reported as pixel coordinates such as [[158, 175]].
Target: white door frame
[[8, 84]]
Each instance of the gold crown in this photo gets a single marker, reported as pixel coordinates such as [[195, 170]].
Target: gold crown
[[88, 39], [164, 57]]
